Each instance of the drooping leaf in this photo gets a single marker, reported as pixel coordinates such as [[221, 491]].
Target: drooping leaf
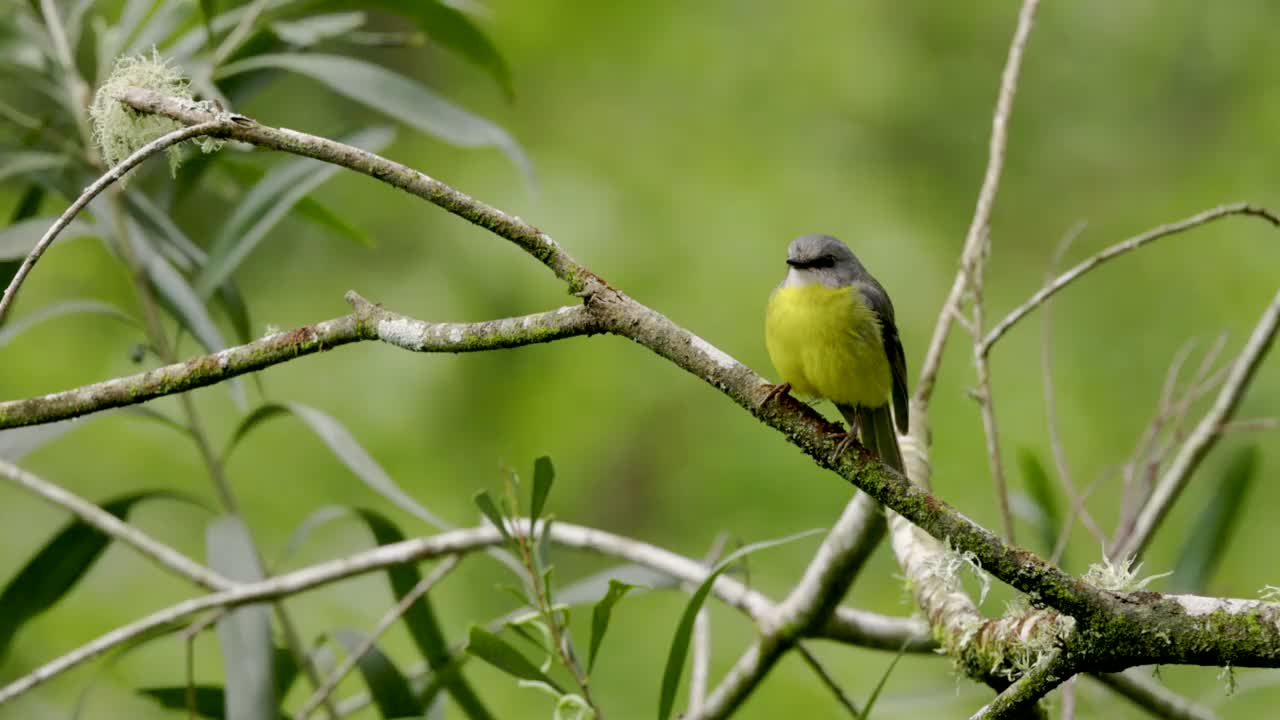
[[152, 415], [387, 684], [308, 208], [454, 30], [1036, 480], [684, 630], [314, 29], [421, 620], [18, 239], [29, 161], [61, 563], [485, 503], [600, 616], [58, 309], [262, 208], [260, 414], [244, 634], [498, 653], [1215, 525], [544, 473], [395, 95], [340, 441]]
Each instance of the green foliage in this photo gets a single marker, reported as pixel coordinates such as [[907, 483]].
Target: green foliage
[[1214, 526]]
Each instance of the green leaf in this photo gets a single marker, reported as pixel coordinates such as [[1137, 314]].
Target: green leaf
[[684, 630], [26, 162], [244, 634], [315, 29], [18, 239], [56, 568], [1214, 526], [17, 442], [1036, 480], [59, 309], [601, 614], [260, 414], [348, 450], [396, 95], [262, 208], [308, 208], [484, 501], [302, 532], [495, 651], [209, 700], [421, 620], [875, 693], [148, 413], [388, 686], [455, 31], [544, 473]]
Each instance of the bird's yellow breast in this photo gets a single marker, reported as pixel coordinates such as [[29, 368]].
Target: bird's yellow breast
[[826, 342]]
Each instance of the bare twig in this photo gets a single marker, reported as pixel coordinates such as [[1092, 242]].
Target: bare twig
[[986, 401], [981, 222], [1153, 697], [390, 617], [1205, 435], [1077, 506], [700, 656], [1121, 248], [109, 524], [888, 633], [181, 134], [816, 665]]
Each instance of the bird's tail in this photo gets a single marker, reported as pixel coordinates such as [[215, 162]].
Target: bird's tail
[[878, 433]]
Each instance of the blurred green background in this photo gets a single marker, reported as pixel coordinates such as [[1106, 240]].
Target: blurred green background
[[677, 148]]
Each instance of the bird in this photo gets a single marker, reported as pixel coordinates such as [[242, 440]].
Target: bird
[[830, 333]]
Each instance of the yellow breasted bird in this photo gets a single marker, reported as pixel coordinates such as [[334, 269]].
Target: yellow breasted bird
[[830, 333]]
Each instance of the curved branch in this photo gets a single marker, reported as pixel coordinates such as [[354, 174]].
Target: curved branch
[[978, 227], [369, 322], [211, 125], [1116, 250], [889, 633]]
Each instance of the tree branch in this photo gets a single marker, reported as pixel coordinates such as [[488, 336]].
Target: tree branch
[[1116, 250], [1022, 696], [210, 126], [979, 226], [1153, 697], [888, 633], [1206, 433], [114, 527]]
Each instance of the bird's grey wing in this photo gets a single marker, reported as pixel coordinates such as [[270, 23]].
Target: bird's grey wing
[[878, 300]]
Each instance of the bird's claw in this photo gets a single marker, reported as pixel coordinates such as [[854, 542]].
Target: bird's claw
[[846, 441], [775, 391]]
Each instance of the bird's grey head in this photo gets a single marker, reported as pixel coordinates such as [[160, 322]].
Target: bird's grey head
[[824, 260]]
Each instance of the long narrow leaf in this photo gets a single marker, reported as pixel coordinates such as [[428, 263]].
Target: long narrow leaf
[[498, 653], [18, 239], [684, 630], [387, 685], [244, 634], [1215, 524], [421, 620], [335, 435], [453, 29], [262, 208], [544, 474], [66, 307], [396, 95], [59, 565], [1049, 520], [601, 614]]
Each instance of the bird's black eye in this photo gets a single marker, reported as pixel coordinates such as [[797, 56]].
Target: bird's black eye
[[824, 261]]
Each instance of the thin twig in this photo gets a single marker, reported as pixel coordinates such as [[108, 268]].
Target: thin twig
[[1076, 501], [1026, 691], [986, 401], [981, 222], [1150, 695], [1205, 435], [390, 617], [114, 527], [112, 175], [880, 631], [1121, 248], [816, 665], [700, 656]]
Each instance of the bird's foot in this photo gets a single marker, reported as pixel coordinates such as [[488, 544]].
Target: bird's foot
[[775, 391], [846, 441]]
